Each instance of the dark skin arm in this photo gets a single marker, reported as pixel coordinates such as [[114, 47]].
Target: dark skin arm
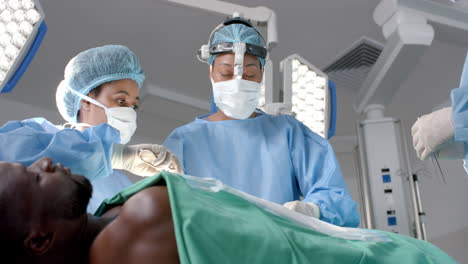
[[142, 233]]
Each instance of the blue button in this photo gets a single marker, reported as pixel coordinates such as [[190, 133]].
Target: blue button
[[392, 221], [386, 178]]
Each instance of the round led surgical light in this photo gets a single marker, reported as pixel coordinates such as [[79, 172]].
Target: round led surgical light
[[4, 63], [6, 16], [33, 16], [18, 40], [14, 4], [11, 51], [19, 15], [26, 28], [27, 4], [21, 31]]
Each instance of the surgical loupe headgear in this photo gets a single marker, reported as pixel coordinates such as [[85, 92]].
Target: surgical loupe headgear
[[235, 35]]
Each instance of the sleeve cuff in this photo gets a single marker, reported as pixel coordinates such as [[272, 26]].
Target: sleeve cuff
[[316, 210]]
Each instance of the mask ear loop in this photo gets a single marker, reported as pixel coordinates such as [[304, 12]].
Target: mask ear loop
[[87, 98]]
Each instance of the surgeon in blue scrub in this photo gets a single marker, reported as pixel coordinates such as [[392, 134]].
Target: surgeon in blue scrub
[[276, 158], [444, 133], [98, 98]]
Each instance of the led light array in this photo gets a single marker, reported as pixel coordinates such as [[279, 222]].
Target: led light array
[[309, 97], [18, 19]]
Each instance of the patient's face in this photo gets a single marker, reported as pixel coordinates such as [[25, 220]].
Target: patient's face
[[44, 190]]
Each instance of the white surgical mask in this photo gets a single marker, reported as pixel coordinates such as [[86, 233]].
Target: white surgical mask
[[237, 98], [121, 118], [124, 120]]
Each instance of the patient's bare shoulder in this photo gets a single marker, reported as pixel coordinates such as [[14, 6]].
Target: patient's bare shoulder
[[142, 233]]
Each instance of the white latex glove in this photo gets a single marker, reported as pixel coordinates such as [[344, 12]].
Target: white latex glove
[[144, 159], [309, 209], [452, 151], [432, 131]]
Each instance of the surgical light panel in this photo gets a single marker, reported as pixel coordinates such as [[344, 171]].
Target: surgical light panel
[[22, 29], [306, 92]]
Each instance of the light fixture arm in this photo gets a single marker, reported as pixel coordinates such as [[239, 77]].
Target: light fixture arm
[[262, 15]]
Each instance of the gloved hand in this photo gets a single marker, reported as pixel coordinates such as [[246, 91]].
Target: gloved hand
[[452, 151], [309, 209], [144, 159], [432, 131]]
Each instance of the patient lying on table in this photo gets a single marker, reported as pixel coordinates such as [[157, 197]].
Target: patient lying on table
[[169, 218]]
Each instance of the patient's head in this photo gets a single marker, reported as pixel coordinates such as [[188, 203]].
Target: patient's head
[[42, 209]]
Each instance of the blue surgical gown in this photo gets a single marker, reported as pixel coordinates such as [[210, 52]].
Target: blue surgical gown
[[276, 158], [87, 153], [460, 111]]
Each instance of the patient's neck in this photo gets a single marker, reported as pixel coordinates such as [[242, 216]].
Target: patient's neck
[[75, 249], [93, 227]]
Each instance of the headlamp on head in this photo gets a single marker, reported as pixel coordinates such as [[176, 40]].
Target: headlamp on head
[[238, 46], [226, 47]]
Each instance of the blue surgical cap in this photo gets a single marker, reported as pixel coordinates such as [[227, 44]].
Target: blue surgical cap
[[237, 33], [91, 68]]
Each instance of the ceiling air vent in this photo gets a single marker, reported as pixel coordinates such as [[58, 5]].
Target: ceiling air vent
[[350, 69]]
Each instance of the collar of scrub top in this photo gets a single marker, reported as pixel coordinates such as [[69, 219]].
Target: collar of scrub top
[[214, 109]]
